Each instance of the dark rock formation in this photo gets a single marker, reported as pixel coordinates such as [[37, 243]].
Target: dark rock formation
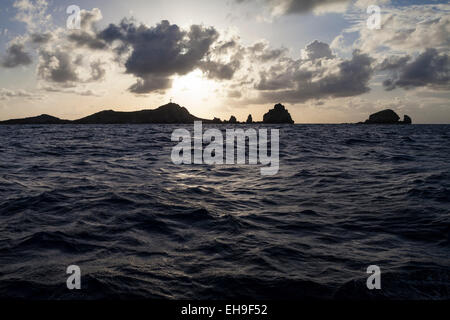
[[407, 119], [169, 113], [216, 121], [387, 116], [232, 120], [278, 115], [42, 119]]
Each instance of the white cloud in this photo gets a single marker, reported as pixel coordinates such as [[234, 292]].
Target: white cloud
[[32, 13], [364, 4], [7, 94], [337, 7], [408, 29]]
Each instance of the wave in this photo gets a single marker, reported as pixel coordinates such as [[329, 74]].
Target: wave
[[109, 199]]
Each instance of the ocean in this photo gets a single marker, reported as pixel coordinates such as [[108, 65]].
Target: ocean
[[108, 198]]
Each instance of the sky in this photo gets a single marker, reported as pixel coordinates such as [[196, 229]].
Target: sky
[[327, 61]]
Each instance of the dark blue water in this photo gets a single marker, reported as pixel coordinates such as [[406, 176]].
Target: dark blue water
[[109, 199]]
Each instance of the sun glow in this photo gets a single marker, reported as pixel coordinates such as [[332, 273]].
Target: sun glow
[[194, 89]]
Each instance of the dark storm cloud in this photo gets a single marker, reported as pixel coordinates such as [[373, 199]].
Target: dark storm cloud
[[154, 55], [62, 68], [317, 50], [301, 6], [263, 53], [41, 38], [215, 68], [16, 56], [429, 69], [159, 52], [295, 6], [83, 38], [116, 32], [57, 66], [151, 83], [220, 71], [393, 63], [295, 83]]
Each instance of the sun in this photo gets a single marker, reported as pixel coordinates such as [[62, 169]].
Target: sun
[[193, 87]]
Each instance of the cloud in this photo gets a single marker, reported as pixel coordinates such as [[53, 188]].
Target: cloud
[[234, 94], [261, 51], [67, 69], [6, 94], [41, 38], [97, 71], [393, 63], [89, 19], [364, 4], [83, 38], [429, 69], [223, 60], [57, 66], [317, 50], [407, 29], [151, 83], [286, 7], [160, 52], [71, 58], [220, 71], [87, 35], [155, 55], [16, 56], [300, 80], [78, 91], [32, 13]]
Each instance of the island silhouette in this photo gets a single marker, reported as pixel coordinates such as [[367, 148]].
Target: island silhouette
[[387, 116], [173, 113], [170, 113]]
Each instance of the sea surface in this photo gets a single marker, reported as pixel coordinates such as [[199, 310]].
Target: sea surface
[[108, 199]]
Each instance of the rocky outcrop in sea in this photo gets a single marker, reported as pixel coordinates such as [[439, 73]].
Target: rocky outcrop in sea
[[278, 115], [387, 116]]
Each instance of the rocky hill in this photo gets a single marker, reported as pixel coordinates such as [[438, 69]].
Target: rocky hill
[[387, 116]]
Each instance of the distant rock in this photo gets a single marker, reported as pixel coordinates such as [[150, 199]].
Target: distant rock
[[216, 121], [407, 119], [232, 120], [387, 116], [278, 115], [42, 119], [249, 119]]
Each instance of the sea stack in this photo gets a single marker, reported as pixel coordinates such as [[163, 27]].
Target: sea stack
[[407, 119], [278, 115], [387, 116]]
